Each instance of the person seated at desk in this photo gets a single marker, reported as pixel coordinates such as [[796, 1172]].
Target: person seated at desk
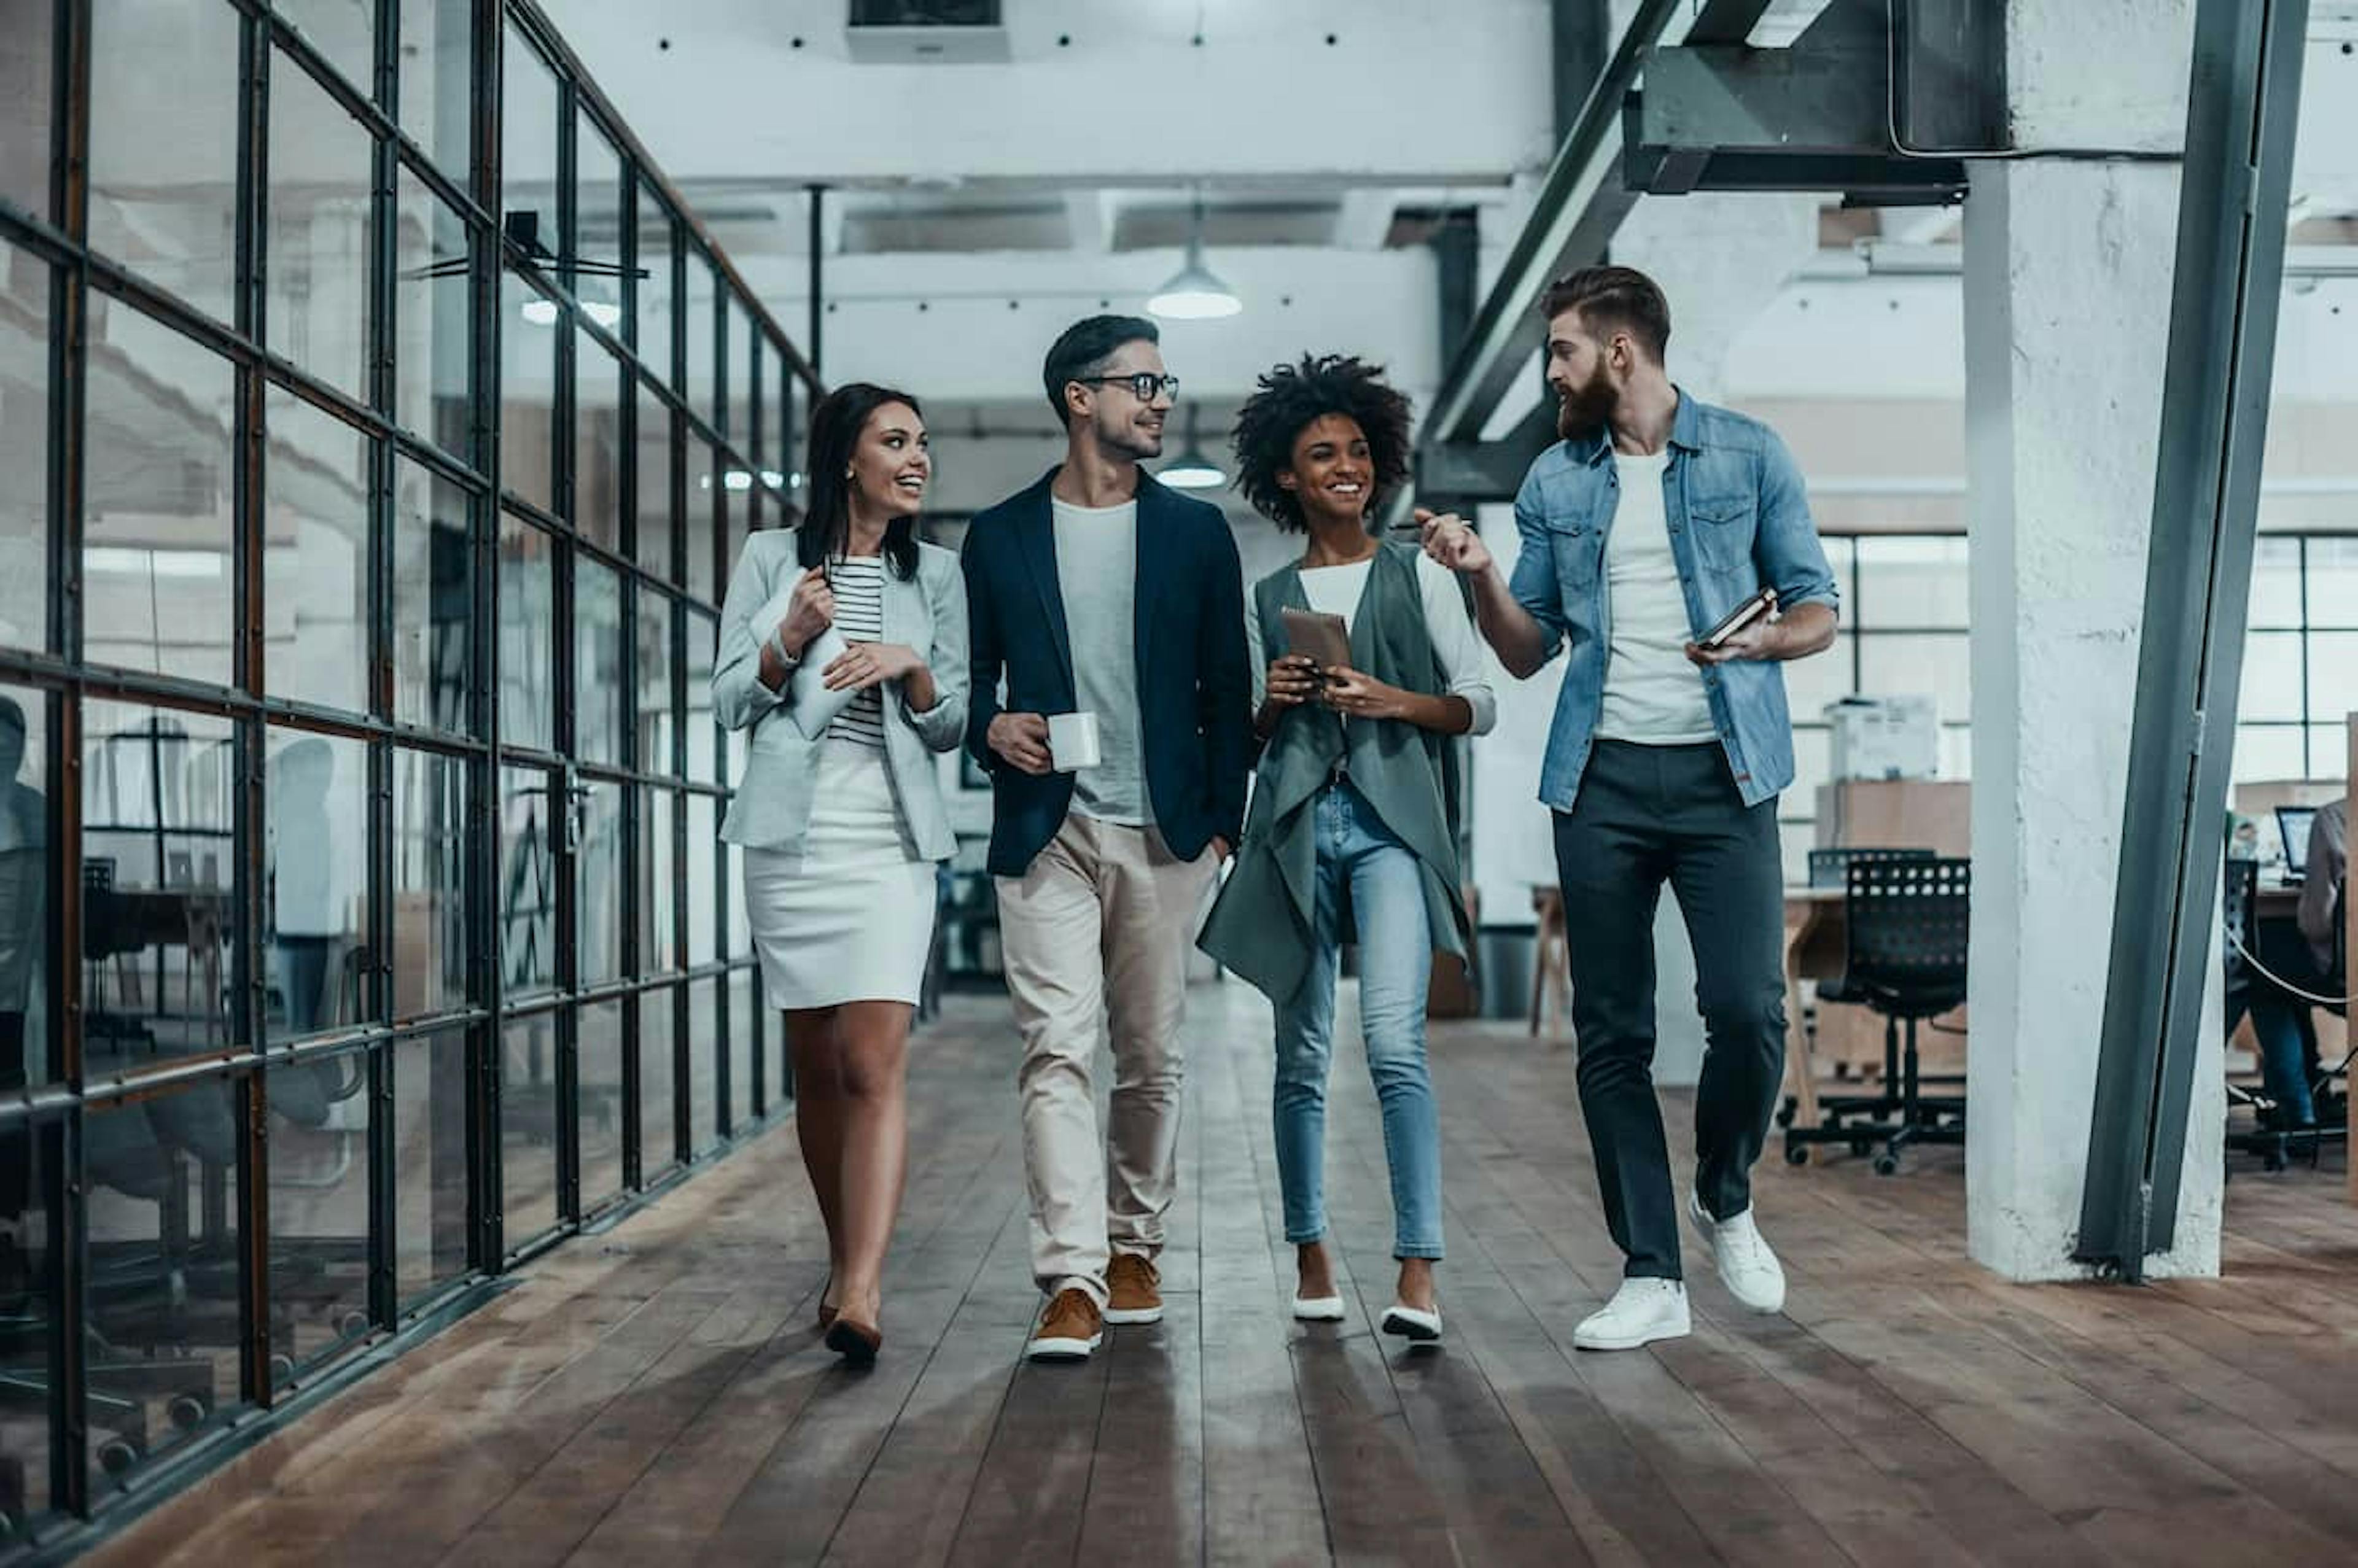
[[2296, 955]]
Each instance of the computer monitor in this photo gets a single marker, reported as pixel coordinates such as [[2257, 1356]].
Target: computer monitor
[[2292, 826]]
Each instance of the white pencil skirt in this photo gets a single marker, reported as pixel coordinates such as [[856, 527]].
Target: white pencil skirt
[[852, 919]]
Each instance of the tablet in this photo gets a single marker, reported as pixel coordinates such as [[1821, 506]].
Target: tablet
[[1324, 638], [810, 706], [1762, 601]]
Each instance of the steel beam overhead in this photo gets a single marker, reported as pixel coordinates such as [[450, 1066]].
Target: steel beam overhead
[[1581, 203], [1815, 117], [2245, 104], [1948, 82], [1464, 473], [1726, 21]]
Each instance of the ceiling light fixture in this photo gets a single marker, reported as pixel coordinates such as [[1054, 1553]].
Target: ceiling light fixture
[[1195, 292], [1191, 469], [542, 312]]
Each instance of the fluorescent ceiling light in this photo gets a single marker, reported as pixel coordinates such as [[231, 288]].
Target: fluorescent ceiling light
[[108, 560], [543, 312]]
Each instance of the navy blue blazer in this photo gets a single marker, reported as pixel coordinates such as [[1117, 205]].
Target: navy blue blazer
[[1195, 688]]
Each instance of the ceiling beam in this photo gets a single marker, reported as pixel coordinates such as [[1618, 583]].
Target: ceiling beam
[[1814, 116], [1581, 202], [1092, 93], [1729, 22]]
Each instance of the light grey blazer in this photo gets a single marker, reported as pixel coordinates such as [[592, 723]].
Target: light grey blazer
[[772, 807]]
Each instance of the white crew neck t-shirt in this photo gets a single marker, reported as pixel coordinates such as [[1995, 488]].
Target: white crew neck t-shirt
[[1096, 567], [1652, 695]]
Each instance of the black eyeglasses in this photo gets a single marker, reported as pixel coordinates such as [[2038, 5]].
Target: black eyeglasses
[[1144, 385]]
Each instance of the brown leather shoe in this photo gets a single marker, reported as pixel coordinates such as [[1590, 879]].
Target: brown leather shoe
[[826, 1312], [1068, 1330], [1133, 1290]]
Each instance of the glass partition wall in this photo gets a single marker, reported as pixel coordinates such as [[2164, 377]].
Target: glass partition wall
[[364, 498]]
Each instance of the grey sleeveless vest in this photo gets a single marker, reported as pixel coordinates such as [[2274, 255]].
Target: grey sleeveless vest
[[1260, 926]]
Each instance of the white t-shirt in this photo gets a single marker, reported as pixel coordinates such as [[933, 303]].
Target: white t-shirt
[[1096, 567], [1336, 591], [1652, 695]]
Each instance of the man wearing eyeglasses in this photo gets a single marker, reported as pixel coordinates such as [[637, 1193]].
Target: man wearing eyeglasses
[[1104, 602]]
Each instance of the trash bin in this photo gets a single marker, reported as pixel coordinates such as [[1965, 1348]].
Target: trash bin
[[1503, 967]]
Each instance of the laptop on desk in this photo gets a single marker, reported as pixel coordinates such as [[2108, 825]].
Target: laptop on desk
[[2292, 827]]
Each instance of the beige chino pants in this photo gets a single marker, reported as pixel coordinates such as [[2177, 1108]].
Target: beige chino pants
[[1099, 926]]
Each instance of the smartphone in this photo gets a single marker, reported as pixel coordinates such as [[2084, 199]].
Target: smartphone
[[1762, 601]]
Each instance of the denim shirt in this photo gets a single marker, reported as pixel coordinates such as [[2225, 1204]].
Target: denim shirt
[[1739, 519]]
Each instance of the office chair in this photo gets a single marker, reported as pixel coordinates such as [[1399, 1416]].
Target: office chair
[[2276, 1145], [122, 1152], [1906, 926], [1828, 867], [1827, 870], [2238, 890]]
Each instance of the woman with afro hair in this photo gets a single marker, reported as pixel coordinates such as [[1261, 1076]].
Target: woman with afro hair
[[1352, 833]]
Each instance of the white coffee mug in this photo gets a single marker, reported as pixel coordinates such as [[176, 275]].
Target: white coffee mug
[[1073, 742]]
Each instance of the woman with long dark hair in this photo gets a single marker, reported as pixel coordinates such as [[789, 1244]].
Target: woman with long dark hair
[[1353, 827], [843, 649]]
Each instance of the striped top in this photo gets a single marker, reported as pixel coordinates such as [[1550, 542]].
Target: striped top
[[858, 582]]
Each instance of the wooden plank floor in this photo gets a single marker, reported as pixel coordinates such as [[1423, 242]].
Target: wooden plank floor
[[657, 1395]]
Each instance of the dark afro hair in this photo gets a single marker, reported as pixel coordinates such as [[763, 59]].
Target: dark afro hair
[[1294, 396]]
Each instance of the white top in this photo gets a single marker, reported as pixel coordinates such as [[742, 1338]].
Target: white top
[[858, 583], [1336, 591], [1097, 571], [1652, 695]]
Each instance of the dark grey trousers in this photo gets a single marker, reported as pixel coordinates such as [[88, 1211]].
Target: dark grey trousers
[[1646, 815]]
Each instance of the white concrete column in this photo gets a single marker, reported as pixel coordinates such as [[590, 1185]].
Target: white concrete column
[[2068, 270], [1722, 258]]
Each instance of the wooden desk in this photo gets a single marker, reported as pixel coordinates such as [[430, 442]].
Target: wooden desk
[[1816, 931], [2276, 901], [1552, 962]]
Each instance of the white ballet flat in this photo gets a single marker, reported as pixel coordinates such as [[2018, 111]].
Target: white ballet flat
[[1416, 1327]]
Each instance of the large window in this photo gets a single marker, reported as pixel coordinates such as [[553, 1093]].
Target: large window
[[164, 146], [25, 444], [2301, 660], [1905, 633], [366, 552]]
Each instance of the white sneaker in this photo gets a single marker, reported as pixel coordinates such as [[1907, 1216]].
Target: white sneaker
[[1640, 1312], [1747, 1267], [1318, 1309]]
